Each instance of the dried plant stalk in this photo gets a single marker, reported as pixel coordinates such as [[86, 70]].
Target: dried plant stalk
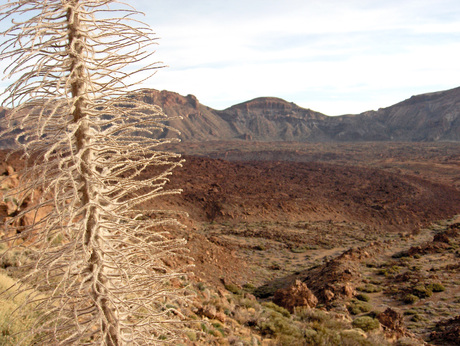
[[98, 261]]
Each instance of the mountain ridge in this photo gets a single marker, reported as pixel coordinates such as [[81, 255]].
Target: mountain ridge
[[426, 117], [429, 117]]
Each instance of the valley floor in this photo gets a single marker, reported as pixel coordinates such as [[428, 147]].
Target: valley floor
[[365, 235]]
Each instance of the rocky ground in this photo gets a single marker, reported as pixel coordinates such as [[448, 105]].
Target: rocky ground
[[319, 244]]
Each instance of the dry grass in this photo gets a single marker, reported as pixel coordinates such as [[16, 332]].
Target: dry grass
[[14, 319]]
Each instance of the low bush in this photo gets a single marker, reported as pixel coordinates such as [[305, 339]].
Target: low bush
[[354, 337], [410, 299], [416, 318], [233, 288], [363, 297], [422, 291], [401, 254], [369, 288], [277, 308], [436, 287], [248, 287], [366, 323], [357, 307], [276, 324], [311, 315]]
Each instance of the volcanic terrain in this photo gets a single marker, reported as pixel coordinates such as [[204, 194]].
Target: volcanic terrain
[[310, 243], [365, 227]]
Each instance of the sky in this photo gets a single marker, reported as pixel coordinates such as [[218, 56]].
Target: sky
[[333, 56]]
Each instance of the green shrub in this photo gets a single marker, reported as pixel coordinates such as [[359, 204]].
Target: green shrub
[[392, 290], [410, 299], [366, 323], [233, 288], [422, 291], [416, 318], [287, 340], [310, 336], [394, 269], [363, 297], [400, 254], [247, 303], [382, 271], [390, 270], [357, 307], [249, 287], [436, 287], [299, 249], [221, 331], [311, 315], [276, 325], [369, 288], [353, 337], [277, 308], [204, 327], [315, 317]]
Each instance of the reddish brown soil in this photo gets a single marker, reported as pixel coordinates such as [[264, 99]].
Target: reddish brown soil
[[266, 223], [217, 190]]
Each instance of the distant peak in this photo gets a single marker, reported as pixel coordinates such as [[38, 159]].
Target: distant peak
[[166, 99], [265, 102]]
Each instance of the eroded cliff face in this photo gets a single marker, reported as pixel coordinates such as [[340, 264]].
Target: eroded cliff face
[[270, 118], [427, 117]]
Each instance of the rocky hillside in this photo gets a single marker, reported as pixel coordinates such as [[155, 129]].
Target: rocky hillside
[[422, 118], [426, 117], [356, 245]]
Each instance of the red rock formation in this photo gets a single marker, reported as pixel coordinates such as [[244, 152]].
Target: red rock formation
[[294, 296]]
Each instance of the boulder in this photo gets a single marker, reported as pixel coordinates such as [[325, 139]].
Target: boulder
[[447, 331], [392, 321], [295, 295]]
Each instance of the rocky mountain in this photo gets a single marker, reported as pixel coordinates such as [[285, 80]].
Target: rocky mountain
[[427, 117]]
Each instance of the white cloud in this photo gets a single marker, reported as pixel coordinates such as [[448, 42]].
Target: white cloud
[[333, 56], [342, 56]]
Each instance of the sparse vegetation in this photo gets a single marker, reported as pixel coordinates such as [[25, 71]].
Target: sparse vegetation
[[235, 289], [369, 288], [363, 297], [422, 291], [366, 323], [436, 287], [242, 250], [357, 307], [14, 326], [278, 309], [410, 299]]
